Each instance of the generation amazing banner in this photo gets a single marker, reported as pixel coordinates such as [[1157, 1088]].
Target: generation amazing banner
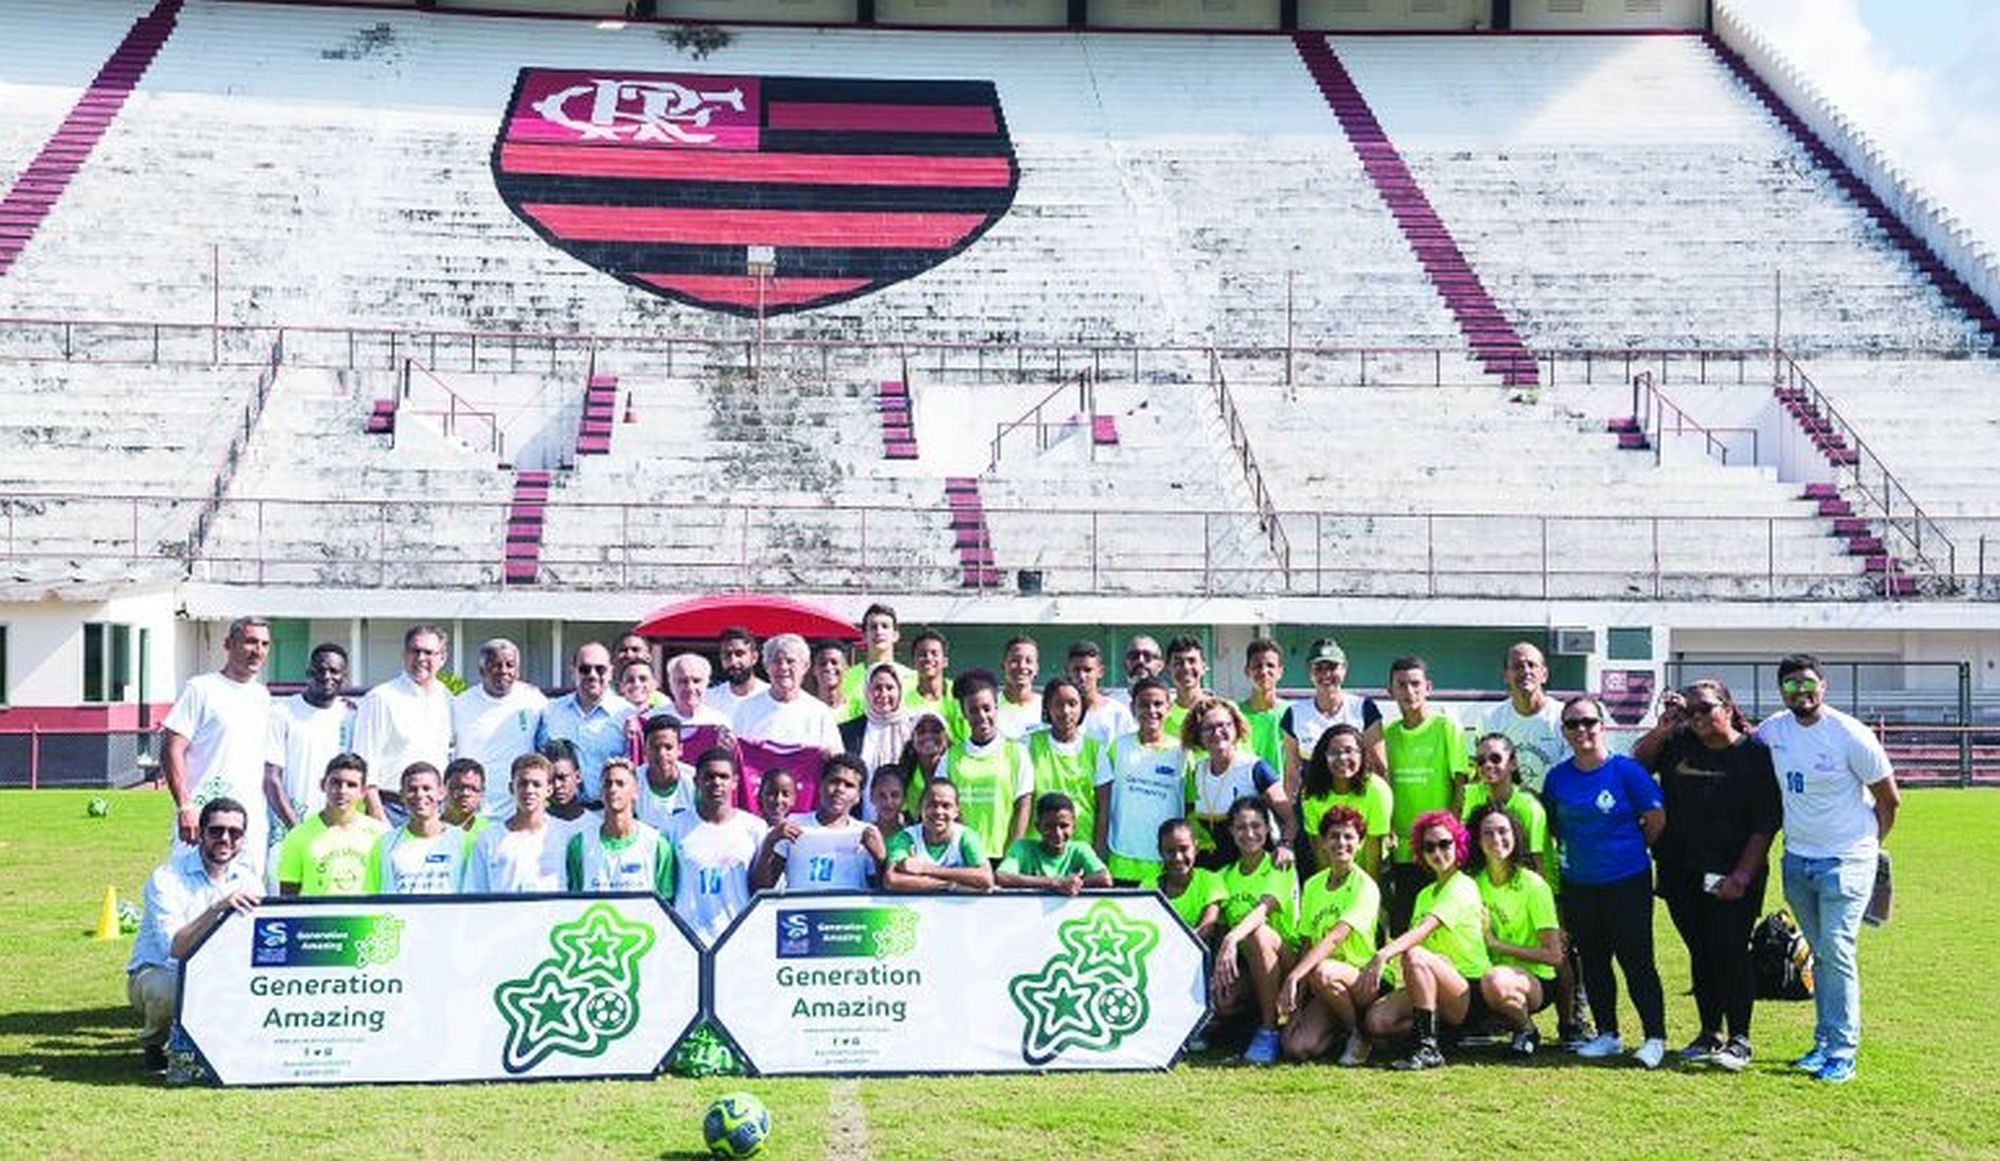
[[856, 983], [394, 989]]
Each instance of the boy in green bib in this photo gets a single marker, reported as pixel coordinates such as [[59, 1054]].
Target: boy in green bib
[[1052, 862]]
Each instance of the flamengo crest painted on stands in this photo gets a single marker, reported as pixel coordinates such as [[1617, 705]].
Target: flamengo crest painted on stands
[[664, 180]]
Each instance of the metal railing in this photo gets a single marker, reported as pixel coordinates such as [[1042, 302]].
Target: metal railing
[[239, 442], [1914, 535], [1659, 416], [1239, 442], [1031, 420], [453, 410]]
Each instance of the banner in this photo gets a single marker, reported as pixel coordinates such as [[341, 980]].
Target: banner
[[856, 983], [416, 988]]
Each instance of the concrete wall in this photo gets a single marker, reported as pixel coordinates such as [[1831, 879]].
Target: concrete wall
[[1565, 15], [1015, 13], [1412, 15], [1184, 13]]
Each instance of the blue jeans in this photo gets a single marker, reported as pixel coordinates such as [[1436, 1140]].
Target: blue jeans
[[1827, 897]]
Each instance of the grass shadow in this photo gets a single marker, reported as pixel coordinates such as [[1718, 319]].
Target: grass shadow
[[91, 1046]]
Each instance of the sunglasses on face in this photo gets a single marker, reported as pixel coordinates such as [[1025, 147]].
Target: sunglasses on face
[[1140, 655], [1435, 845], [223, 832], [1492, 759], [593, 669], [1799, 684], [1703, 707], [1582, 723]]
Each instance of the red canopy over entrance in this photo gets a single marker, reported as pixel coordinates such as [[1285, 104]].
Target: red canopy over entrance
[[702, 618]]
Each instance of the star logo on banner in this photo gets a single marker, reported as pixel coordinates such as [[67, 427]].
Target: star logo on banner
[[1092, 994], [1106, 940], [579, 1000], [384, 942], [602, 943]]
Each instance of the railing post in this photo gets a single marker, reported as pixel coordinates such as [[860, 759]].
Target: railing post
[[1094, 543], [1964, 723]]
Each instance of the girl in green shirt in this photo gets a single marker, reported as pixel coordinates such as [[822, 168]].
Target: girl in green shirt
[[1442, 955], [1335, 775], [1257, 915], [1338, 909], [1522, 934]]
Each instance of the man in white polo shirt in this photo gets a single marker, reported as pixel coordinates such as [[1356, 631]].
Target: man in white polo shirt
[[1840, 801], [408, 718], [590, 718]]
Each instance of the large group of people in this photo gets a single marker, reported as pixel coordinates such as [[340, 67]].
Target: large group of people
[[1364, 876]]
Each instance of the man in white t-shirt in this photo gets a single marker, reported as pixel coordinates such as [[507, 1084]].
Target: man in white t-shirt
[[1840, 801], [737, 650], [715, 848], [408, 718], [784, 714], [526, 854], [307, 730], [1529, 718], [497, 720], [216, 735], [1020, 700], [1104, 717]]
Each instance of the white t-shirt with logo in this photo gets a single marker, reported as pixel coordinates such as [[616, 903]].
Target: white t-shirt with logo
[[712, 878], [493, 731], [1824, 771], [227, 725]]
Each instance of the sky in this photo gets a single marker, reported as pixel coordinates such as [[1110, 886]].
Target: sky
[[1917, 76]]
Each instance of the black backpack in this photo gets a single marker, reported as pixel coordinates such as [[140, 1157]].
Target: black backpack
[[1780, 959]]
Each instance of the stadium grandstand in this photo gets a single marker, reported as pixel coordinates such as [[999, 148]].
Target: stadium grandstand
[[1434, 323]]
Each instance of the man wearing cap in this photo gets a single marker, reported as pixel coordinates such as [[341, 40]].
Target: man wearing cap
[[1529, 718], [495, 721], [1304, 721]]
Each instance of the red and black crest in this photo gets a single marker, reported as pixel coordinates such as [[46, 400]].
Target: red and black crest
[[665, 180]]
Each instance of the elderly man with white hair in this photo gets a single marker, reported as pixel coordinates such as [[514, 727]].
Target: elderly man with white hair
[[784, 714]]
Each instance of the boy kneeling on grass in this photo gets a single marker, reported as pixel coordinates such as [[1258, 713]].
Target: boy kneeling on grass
[[1052, 862]]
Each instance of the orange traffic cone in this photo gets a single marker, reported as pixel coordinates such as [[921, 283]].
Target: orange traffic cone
[[107, 917]]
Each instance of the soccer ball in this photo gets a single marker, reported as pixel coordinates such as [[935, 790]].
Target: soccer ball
[[736, 1125], [99, 807]]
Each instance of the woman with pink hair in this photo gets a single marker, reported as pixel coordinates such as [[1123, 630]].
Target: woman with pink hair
[[1443, 954]]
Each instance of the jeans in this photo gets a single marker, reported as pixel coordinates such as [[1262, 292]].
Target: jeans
[[1827, 897]]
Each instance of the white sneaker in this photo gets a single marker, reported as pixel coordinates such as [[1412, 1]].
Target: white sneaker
[[1651, 1052], [1603, 1045], [1356, 1052]]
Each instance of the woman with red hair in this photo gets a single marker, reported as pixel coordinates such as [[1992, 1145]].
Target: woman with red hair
[[1443, 954]]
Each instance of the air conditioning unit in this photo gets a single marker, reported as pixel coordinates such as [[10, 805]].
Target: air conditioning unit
[[1575, 641]]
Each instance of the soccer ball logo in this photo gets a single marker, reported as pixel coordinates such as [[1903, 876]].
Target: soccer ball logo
[[736, 1125]]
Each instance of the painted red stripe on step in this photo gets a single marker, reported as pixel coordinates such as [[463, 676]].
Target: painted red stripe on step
[[860, 229]]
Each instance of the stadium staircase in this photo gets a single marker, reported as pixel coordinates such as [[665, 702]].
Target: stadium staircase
[[37, 188], [524, 528], [899, 435], [970, 536], [1485, 326], [1957, 295], [600, 415]]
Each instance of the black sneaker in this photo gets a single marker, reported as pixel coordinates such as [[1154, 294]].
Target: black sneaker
[[1525, 1042], [156, 1059], [1701, 1050], [1426, 1055], [1575, 1036], [1733, 1056]]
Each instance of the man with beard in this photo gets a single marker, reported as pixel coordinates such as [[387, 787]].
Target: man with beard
[[736, 648]]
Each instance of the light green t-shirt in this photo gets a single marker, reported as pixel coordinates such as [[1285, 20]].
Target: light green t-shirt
[[1243, 890], [325, 860], [1461, 933], [1373, 801], [961, 849], [1520, 911], [1356, 901], [1068, 771], [1204, 887], [1533, 817], [955, 730], [989, 779], [1026, 857], [1267, 740], [1424, 763]]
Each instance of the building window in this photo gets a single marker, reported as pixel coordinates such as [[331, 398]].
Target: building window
[[107, 663]]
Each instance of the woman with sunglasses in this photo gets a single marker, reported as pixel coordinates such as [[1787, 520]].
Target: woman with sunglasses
[[1441, 957], [1721, 795], [1607, 814]]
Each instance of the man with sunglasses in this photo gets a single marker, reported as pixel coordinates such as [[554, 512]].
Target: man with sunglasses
[[1840, 799], [1143, 658], [588, 719], [406, 719], [186, 897]]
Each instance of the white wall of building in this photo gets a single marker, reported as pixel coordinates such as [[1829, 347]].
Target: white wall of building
[[1412, 15], [1558, 15], [1184, 13], [1011, 13]]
